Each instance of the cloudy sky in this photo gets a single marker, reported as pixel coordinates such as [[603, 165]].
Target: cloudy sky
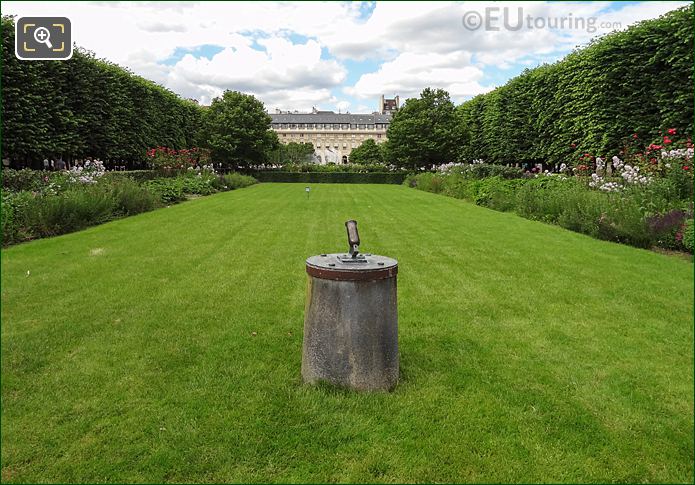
[[335, 55]]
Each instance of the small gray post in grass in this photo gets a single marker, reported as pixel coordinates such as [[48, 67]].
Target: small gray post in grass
[[307, 190], [351, 319]]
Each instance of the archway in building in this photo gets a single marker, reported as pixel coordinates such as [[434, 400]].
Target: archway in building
[[345, 159]]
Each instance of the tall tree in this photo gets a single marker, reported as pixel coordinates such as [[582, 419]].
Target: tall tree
[[236, 128], [424, 132], [368, 152]]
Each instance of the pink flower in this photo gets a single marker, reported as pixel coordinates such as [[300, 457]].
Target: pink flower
[[671, 131]]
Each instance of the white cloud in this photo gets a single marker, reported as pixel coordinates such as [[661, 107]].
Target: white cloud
[[409, 74], [292, 55], [284, 75], [162, 27]]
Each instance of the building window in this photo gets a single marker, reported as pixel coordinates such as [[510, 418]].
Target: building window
[[379, 135], [301, 135], [301, 126], [336, 126]]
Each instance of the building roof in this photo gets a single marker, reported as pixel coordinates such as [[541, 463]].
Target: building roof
[[330, 117]]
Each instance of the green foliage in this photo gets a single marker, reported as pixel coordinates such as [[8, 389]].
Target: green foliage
[[639, 80], [27, 215], [168, 190], [486, 170], [199, 184], [331, 177], [86, 107], [424, 132], [236, 128], [628, 217], [688, 235], [25, 179], [331, 167], [292, 153], [368, 153], [72, 211], [140, 175], [132, 198], [235, 180]]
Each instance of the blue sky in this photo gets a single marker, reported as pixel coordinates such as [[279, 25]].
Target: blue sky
[[335, 55]]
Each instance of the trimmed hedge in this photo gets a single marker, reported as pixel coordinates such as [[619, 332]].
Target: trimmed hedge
[[331, 177], [637, 81], [86, 107]]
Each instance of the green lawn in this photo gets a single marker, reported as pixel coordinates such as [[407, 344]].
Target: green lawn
[[528, 353]]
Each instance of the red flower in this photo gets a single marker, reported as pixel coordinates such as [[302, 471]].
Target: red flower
[[652, 160], [671, 131], [634, 136], [667, 140], [685, 167]]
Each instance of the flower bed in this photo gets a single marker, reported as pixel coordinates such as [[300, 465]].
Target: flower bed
[[42, 204], [642, 197]]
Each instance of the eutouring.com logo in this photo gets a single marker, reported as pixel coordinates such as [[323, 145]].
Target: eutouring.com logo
[[494, 19]]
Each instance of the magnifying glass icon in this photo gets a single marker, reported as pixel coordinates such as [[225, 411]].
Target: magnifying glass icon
[[43, 36]]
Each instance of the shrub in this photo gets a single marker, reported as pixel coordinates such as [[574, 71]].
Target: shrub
[[687, 235], [544, 198], [139, 175], [496, 193], [430, 182], [25, 179], [198, 184], [168, 190], [332, 177], [331, 167], [486, 170], [132, 198], [15, 208], [235, 180], [71, 211]]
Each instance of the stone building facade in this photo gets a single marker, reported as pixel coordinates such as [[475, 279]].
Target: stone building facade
[[334, 135]]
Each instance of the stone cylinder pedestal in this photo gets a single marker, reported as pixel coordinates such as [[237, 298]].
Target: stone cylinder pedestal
[[351, 322]]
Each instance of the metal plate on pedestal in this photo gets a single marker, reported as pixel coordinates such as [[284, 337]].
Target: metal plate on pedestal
[[342, 267]]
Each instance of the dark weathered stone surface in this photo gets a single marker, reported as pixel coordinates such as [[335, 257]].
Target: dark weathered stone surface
[[351, 333]]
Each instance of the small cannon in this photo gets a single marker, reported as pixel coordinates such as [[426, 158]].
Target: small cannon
[[351, 319]]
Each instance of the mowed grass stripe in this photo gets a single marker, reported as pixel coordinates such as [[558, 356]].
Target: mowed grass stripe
[[528, 353]]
